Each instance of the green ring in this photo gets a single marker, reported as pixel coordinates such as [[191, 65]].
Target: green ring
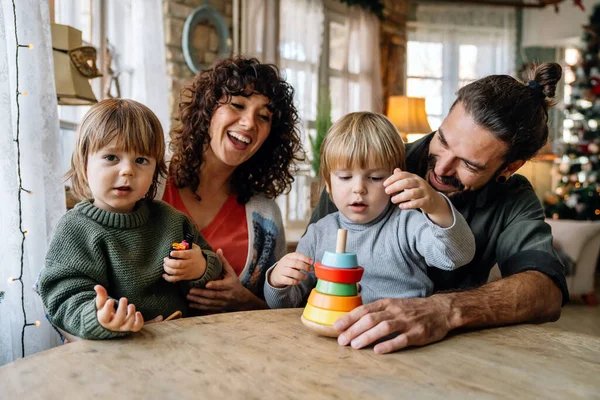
[[336, 289]]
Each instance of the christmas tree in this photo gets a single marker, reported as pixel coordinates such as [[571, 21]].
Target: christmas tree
[[577, 193]]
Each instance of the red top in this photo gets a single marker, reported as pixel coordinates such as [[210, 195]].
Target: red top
[[228, 230]]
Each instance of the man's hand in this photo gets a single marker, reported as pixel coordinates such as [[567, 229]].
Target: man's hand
[[413, 192], [417, 321], [289, 270], [124, 319], [187, 265]]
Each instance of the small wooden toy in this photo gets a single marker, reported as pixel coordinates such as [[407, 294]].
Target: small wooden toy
[[185, 244], [336, 292]]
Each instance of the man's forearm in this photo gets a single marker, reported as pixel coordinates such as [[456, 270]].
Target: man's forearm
[[528, 296]]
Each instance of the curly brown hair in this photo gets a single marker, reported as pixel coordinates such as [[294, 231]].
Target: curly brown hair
[[270, 170]]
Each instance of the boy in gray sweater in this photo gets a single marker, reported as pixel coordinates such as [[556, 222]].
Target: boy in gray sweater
[[362, 164]]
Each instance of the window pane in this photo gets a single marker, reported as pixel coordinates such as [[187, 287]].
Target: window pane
[[336, 89], [292, 50], [337, 38], [462, 83], [424, 59], [431, 89], [467, 62], [354, 89], [354, 56], [434, 122], [76, 13]]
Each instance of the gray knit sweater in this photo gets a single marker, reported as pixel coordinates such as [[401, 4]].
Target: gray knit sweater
[[124, 253], [394, 249]]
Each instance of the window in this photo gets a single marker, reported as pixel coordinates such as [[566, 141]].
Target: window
[[347, 68], [425, 78], [449, 46]]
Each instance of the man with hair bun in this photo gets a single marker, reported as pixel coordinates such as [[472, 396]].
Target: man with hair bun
[[495, 125]]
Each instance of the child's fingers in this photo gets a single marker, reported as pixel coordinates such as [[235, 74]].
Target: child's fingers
[[406, 195], [411, 205], [172, 263], [121, 312], [181, 254], [105, 314], [283, 280], [173, 271], [408, 182], [129, 318], [138, 322], [397, 175], [101, 296], [297, 265], [293, 273], [171, 278], [299, 257]]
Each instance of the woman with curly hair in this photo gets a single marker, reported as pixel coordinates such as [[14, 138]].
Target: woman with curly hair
[[233, 152]]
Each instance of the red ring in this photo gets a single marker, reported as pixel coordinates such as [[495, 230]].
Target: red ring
[[338, 275]]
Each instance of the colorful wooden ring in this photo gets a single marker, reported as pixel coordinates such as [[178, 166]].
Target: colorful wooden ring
[[334, 303], [339, 260], [339, 275], [336, 289], [321, 316]]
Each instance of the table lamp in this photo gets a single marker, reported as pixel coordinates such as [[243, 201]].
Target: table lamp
[[74, 64], [409, 116]]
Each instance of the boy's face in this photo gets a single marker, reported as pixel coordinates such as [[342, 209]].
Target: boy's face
[[118, 179], [359, 193]]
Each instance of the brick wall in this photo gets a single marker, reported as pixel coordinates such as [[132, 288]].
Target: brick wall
[[205, 42]]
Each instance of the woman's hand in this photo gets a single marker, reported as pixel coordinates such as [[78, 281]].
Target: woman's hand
[[227, 294]]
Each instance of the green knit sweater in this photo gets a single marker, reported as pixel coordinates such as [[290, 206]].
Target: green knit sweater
[[122, 252]]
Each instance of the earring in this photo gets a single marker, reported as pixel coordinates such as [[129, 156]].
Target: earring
[[501, 179]]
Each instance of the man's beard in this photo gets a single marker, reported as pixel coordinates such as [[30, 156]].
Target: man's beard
[[446, 180]]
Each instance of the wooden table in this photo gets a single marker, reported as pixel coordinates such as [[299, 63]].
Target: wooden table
[[271, 355]]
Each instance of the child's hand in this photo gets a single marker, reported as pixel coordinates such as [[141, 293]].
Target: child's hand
[[412, 191], [188, 265], [124, 319], [288, 271]]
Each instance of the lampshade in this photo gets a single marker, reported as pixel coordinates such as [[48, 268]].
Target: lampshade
[[74, 64], [408, 115]]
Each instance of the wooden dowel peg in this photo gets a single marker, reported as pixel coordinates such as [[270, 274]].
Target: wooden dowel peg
[[340, 246]]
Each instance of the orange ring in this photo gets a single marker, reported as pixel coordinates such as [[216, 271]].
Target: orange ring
[[334, 303], [338, 275]]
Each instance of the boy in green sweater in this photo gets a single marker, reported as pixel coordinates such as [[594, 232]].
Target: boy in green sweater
[[116, 243]]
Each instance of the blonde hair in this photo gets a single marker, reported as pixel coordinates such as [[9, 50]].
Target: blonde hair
[[135, 128], [364, 140]]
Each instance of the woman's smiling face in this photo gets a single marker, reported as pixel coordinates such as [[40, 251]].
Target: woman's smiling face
[[239, 128]]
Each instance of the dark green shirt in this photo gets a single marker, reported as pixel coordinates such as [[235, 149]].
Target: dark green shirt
[[123, 252], [507, 221]]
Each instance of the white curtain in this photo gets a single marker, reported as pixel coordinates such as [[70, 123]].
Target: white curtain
[[135, 29], [491, 30], [301, 24], [40, 173], [260, 29], [362, 89]]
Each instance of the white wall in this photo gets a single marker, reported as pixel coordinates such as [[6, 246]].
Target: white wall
[[546, 28]]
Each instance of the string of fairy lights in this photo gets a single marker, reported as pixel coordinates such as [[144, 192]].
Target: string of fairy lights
[[21, 189]]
